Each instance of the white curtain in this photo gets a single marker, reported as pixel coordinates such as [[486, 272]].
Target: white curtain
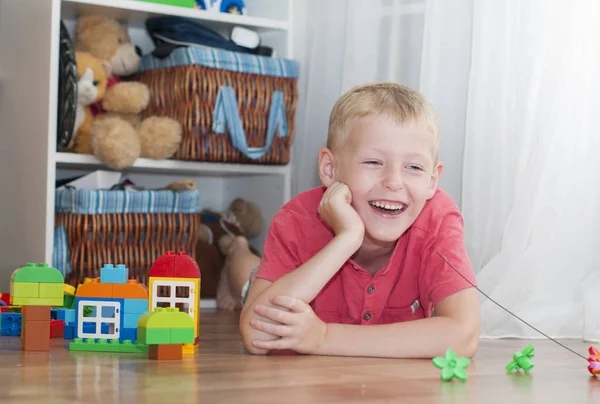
[[340, 44], [531, 174], [517, 86]]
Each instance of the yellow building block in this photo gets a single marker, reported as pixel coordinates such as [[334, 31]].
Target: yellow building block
[[24, 289], [36, 301], [52, 290]]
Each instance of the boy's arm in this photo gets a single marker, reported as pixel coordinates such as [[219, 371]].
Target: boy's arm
[[306, 281], [455, 326], [303, 283]]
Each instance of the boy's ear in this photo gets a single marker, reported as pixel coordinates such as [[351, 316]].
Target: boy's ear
[[326, 167], [435, 179]]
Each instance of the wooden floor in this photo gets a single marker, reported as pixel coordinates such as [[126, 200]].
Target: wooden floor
[[223, 373]]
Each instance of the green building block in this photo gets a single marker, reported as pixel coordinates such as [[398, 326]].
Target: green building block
[[182, 336], [37, 273], [69, 302], [180, 3], [52, 290], [154, 336], [36, 301], [25, 289], [165, 317], [103, 345]]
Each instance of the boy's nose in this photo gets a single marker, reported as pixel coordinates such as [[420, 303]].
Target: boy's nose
[[393, 181]]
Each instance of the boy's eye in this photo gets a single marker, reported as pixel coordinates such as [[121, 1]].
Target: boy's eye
[[415, 167], [372, 162]]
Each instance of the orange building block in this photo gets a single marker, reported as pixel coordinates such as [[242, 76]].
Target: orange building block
[[130, 290], [95, 289], [165, 352], [35, 313], [35, 336]]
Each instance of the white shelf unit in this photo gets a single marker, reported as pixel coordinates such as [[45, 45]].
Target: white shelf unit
[[29, 163]]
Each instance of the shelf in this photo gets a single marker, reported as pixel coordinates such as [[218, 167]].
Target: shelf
[[136, 13], [88, 162]]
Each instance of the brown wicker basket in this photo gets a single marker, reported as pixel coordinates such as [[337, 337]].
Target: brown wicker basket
[[91, 240], [190, 94]]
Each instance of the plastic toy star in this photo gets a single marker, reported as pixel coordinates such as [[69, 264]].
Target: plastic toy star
[[594, 360], [452, 366], [522, 360]]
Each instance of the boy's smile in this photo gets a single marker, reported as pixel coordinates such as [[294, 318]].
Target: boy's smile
[[390, 170]]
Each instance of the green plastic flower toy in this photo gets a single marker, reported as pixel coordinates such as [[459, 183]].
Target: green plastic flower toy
[[452, 366], [522, 360]]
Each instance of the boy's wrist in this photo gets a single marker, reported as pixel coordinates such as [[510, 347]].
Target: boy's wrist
[[350, 242]]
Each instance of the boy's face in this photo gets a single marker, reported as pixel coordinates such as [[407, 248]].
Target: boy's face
[[390, 170]]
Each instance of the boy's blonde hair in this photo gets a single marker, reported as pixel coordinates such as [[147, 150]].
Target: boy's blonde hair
[[399, 102]]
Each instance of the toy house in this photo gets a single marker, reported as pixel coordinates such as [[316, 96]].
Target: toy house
[[109, 308], [175, 282]]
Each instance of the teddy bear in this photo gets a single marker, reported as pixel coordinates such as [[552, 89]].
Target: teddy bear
[[217, 231], [91, 85], [118, 135]]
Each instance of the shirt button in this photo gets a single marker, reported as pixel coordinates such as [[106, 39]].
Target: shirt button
[[367, 316], [371, 289]]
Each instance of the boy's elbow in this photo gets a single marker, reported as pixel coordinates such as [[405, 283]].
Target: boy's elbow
[[470, 341], [248, 334]]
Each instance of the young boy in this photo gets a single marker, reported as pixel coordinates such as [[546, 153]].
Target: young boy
[[367, 247]]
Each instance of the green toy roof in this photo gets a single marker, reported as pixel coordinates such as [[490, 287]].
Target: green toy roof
[[166, 317], [42, 273]]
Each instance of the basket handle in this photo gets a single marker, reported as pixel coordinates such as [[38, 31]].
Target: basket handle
[[226, 115]]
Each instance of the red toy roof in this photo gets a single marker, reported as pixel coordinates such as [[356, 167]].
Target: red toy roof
[[172, 265]]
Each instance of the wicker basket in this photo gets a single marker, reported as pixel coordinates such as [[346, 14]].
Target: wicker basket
[[94, 228], [233, 107]]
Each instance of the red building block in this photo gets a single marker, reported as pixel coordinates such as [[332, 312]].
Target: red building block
[[57, 329]]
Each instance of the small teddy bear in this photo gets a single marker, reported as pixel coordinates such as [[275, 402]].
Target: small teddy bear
[[118, 134], [217, 232], [92, 74]]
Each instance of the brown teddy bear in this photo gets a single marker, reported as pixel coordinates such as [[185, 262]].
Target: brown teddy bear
[[118, 135], [216, 234]]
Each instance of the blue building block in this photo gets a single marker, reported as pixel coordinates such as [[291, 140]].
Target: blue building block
[[10, 324], [110, 274], [128, 334], [70, 332], [66, 315], [130, 320], [135, 306]]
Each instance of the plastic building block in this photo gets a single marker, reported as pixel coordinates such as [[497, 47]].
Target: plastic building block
[[135, 306], [594, 360], [130, 320], [5, 298], [35, 336], [25, 289], [165, 352], [170, 265], [129, 334], [52, 291], [69, 331], [42, 273], [68, 289], [10, 324], [522, 360], [110, 274], [37, 301], [166, 317], [57, 329], [130, 290], [182, 335], [102, 345], [95, 289], [452, 366], [151, 336], [36, 313]]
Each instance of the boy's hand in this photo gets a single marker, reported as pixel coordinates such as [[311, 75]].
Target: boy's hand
[[299, 328], [336, 209]]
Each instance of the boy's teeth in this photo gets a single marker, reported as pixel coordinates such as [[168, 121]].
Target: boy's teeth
[[389, 206]]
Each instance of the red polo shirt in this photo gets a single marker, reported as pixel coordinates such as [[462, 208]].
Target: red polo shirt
[[413, 281]]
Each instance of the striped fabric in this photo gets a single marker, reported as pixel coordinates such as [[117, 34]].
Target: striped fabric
[[81, 201], [223, 59], [60, 257]]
